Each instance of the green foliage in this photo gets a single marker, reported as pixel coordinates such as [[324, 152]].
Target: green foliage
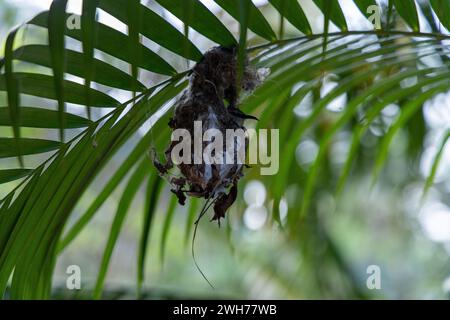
[[368, 66]]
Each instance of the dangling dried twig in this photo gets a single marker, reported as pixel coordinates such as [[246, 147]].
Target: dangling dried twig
[[212, 99]]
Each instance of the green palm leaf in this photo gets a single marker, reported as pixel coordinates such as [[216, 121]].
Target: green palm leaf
[[33, 216]]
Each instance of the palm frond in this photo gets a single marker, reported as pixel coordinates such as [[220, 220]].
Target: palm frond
[[34, 214]]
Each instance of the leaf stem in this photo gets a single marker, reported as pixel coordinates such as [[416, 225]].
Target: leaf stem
[[438, 36]]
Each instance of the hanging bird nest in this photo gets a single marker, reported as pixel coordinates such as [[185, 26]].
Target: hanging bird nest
[[212, 98]]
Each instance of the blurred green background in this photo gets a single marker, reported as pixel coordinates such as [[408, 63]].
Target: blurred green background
[[250, 256]]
